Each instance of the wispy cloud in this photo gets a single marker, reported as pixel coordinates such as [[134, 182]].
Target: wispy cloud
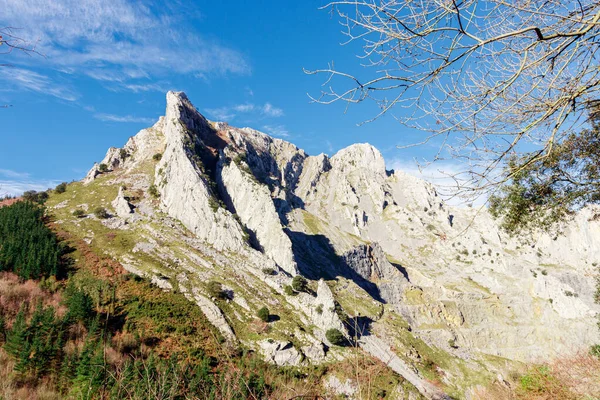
[[123, 118], [329, 146], [36, 82], [271, 111], [277, 130], [144, 87], [17, 187], [230, 113], [221, 114], [119, 40], [441, 174], [8, 173]]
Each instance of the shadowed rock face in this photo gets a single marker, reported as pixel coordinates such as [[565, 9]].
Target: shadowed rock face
[[450, 272]]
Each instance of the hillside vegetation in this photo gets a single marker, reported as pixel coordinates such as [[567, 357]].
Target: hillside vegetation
[[100, 332]]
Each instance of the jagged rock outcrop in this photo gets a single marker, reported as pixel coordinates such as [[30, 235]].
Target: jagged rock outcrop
[[214, 315], [450, 274], [324, 313], [370, 263], [92, 174], [281, 353], [254, 206], [182, 181], [122, 207]]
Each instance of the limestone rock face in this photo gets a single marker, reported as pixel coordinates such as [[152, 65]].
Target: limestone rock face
[[146, 143], [92, 174], [450, 273], [253, 204], [324, 315], [281, 353], [182, 180], [370, 263]]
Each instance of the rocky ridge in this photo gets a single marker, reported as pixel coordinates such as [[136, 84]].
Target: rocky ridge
[[387, 258]]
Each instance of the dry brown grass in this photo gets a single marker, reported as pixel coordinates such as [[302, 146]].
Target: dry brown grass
[[11, 388], [14, 293], [259, 327], [569, 378]]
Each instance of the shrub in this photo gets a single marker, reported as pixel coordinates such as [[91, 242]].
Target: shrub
[[299, 284], [335, 337], [80, 305], [123, 153], [35, 197], [61, 188], [100, 212], [215, 289], [269, 271], [289, 291], [103, 168], [153, 191], [595, 350], [319, 309], [79, 213], [157, 157], [263, 314]]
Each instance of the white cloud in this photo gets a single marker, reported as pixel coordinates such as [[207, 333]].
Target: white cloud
[[149, 87], [118, 40], [441, 174], [17, 187], [33, 81], [8, 173], [123, 118], [271, 111], [221, 114], [277, 130], [244, 107], [229, 113]]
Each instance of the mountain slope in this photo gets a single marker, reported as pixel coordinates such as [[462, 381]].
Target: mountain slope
[[439, 294]]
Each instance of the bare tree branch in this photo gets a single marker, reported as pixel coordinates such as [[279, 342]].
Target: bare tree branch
[[9, 42], [484, 78]]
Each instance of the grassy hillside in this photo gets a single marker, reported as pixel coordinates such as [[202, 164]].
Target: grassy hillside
[[96, 331]]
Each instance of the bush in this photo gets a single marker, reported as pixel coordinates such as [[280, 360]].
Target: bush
[[299, 284], [263, 314], [335, 337], [103, 168], [100, 212], [289, 291], [319, 309], [157, 157], [215, 289], [123, 153], [153, 191], [61, 188], [35, 197], [595, 350], [79, 213], [269, 271]]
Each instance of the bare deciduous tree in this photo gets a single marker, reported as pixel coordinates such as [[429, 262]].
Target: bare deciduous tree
[[484, 79]]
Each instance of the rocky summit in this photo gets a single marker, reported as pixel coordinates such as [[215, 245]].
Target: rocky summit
[[407, 278]]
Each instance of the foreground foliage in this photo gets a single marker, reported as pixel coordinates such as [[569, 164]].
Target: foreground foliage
[[545, 189]]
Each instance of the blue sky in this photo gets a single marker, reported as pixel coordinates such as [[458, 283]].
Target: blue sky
[[106, 66]]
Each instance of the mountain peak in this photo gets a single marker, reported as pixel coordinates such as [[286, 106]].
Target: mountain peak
[[251, 203]]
